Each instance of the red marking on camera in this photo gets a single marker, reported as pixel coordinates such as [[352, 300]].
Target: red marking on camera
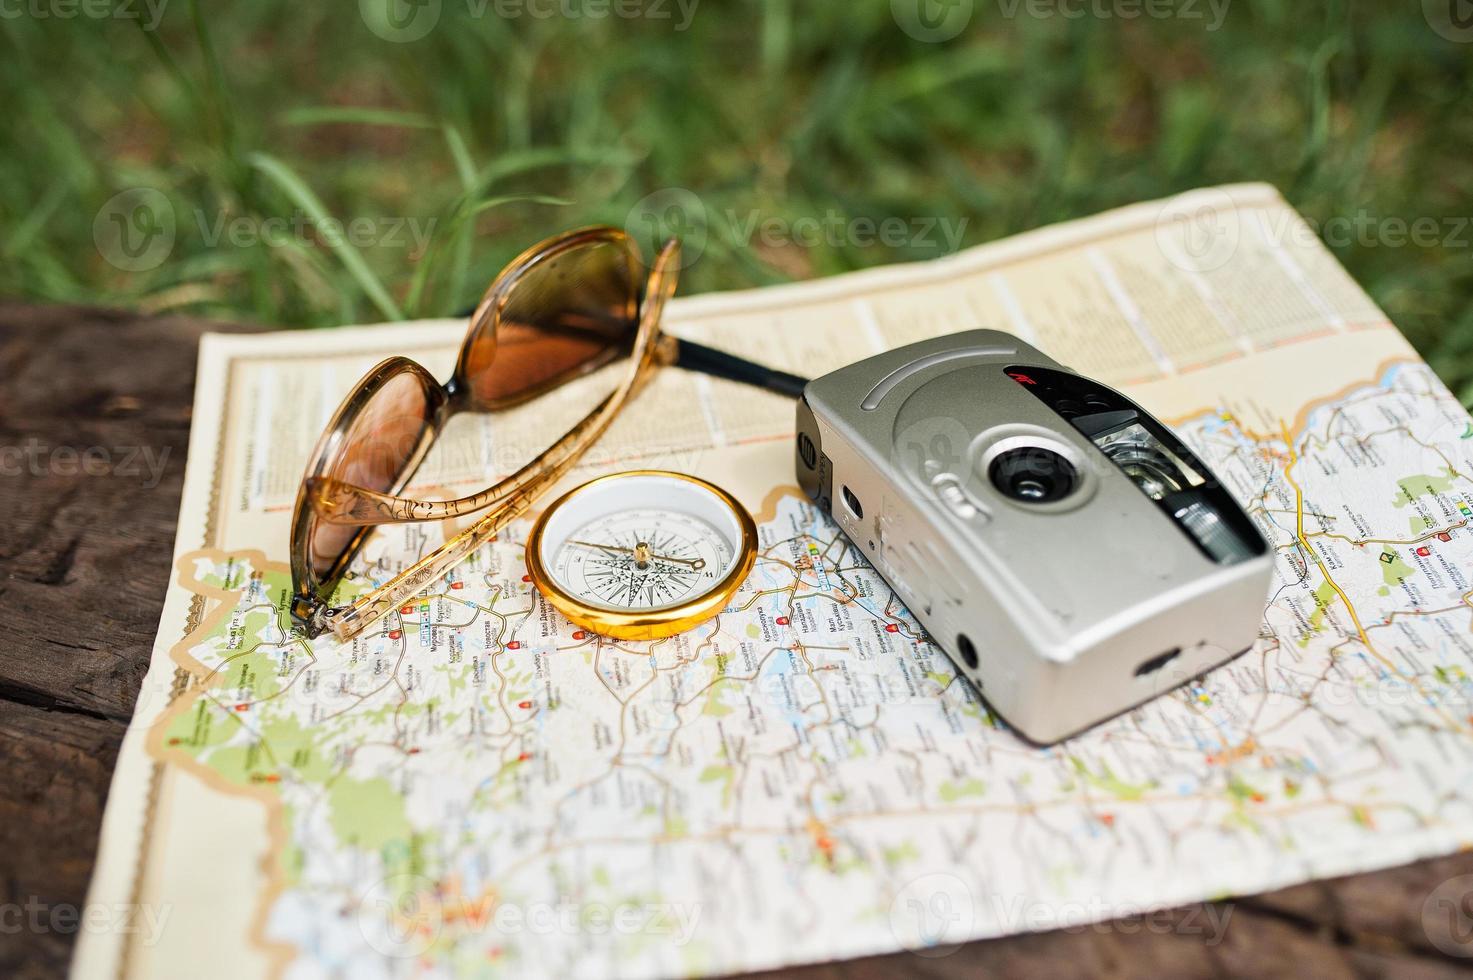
[[1021, 378]]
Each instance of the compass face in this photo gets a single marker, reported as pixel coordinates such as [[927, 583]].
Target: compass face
[[642, 555], [643, 558]]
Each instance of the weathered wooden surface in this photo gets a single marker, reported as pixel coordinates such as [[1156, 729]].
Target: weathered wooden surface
[[84, 558]]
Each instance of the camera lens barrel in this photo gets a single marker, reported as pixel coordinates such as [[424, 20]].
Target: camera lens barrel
[[1033, 475]]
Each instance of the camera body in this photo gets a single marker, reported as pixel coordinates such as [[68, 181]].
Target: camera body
[[1067, 551]]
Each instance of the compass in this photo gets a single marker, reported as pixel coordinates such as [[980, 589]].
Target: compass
[[643, 554]]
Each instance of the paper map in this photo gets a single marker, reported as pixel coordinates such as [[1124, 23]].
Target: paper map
[[477, 788]]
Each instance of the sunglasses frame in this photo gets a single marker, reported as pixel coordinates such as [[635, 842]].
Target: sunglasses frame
[[325, 499]]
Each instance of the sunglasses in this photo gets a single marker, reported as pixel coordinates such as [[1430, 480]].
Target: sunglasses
[[561, 310]]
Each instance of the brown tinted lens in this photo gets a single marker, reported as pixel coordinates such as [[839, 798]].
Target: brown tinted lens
[[374, 452], [566, 313]]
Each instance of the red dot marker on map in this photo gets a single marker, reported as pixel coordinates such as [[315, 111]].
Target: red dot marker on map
[[524, 704], [395, 634], [579, 635], [514, 645], [782, 620], [406, 610], [457, 585], [892, 628]]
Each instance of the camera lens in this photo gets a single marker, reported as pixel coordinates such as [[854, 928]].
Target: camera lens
[[1033, 475], [1149, 468]]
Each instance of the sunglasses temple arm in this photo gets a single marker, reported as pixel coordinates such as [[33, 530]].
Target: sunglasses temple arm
[[719, 364], [346, 504], [347, 622]]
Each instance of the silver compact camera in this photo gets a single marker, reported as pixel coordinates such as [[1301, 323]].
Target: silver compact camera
[[1066, 550]]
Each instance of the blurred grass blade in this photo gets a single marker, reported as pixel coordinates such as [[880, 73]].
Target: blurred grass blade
[[461, 258], [301, 195], [523, 161], [355, 115], [461, 154], [459, 218], [219, 93], [27, 228]]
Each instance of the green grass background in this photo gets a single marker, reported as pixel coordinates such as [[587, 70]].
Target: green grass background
[[502, 129]]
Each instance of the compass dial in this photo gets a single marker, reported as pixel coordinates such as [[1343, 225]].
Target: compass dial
[[642, 559], [643, 554]]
